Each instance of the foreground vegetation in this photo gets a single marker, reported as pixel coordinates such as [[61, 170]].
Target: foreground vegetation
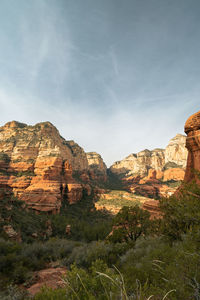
[[141, 259]]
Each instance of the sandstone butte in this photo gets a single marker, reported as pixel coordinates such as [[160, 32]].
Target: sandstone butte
[[40, 167], [192, 129]]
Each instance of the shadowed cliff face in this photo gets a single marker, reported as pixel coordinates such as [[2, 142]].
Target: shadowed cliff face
[[192, 129], [37, 165], [97, 167]]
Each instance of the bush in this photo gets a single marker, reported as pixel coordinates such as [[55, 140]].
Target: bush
[[97, 283], [130, 223], [181, 212], [170, 165], [85, 255], [160, 268], [4, 157]]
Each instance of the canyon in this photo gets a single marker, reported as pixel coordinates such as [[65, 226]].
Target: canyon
[[41, 168]]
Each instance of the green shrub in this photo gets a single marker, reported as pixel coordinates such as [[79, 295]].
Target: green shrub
[[130, 223], [170, 165], [160, 268], [181, 212], [4, 157], [50, 294], [86, 254]]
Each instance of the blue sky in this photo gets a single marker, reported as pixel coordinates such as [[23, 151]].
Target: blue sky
[[115, 76]]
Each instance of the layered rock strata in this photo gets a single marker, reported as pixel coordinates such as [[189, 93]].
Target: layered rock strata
[[157, 159], [37, 165], [176, 151], [192, 129], [97, 167], [153, 173]]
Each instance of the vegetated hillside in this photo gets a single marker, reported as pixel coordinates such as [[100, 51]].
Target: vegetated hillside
[[158, 258]]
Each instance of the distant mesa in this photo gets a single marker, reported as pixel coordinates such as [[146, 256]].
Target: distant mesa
[[173, 156], [153, 174]]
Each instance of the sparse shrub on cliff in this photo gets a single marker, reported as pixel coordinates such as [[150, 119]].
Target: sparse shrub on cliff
[[173, 183], [171, 165], [4, 157], [25, 173]]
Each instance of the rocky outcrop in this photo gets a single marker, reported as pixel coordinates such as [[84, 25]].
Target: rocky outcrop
[[97, 167], [147, 172], [192, 129], [12, 234], [153, 207], [175, 174], [37, 165], [51, 278], [176, 151], [140, 163]]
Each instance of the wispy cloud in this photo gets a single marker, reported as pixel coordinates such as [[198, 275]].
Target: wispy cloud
[[115, 78], [114, 61]]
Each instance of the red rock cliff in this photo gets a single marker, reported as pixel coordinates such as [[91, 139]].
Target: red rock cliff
[[192, 129], [37, 165]]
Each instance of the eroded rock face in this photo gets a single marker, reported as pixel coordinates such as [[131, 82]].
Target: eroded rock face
[[97, 167], [192, 129], [175, 174], [176, 151], [154, 168], [37, 165], [140, 163]]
